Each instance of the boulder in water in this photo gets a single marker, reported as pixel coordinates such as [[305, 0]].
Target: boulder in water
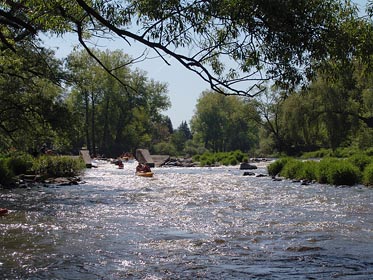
[[247, 166]]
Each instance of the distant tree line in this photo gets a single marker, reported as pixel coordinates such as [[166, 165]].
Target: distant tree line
[[334, 111]]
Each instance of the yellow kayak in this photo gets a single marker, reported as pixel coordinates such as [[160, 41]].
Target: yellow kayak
[[145, 174]]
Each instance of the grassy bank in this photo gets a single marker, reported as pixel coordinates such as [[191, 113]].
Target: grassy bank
[[46, 166], [222, 158], [355, 169]]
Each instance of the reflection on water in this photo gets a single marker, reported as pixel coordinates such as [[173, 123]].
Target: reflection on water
[[186, 223]]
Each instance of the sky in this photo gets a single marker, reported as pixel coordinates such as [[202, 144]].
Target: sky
[[184, 87]]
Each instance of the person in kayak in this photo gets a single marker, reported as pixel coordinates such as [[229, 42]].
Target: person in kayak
[[142, 168]]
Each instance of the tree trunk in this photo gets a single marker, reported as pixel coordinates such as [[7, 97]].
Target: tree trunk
[[88, 140], [105, 139], [94, 152]]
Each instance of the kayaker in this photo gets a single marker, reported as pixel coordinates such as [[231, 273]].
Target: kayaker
[[142, 168], [139, 167], [146, 168]]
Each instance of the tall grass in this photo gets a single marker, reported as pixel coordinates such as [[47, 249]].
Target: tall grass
[[6, 174], [292, 169], [368, 175], [57, 166], [221, 158], [20, 163], [343, 173], [328, 171], [15, 164], [276, 167], [360, 160]]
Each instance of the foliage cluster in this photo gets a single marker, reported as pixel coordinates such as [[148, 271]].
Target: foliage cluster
[[177, 142], [340, 152], [57, 166], [368, 175], [15, 164], [225, 123], [12, 164], [193, 147], [6, 174], [115, 116], [94, 98], [221, 158], [357, 169], [331, 117], [261, 43], [276, 167], [19, 162]]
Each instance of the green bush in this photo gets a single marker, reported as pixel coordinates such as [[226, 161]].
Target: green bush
[[233, 161], [354, 170], [20, 163], [206, 159], [369, 152], [6, 174], [206, 162], [225, 161], [275, 167], [57, 166], [196, 157], [318, 154], [13, 164], [360, 160], [239, 156], [343, 173], [322, 172], [368, 175], [165, 148], [292, 169], [328, 171], [345, 152], [324, 153], [301, 170], [224, 158], [309, 170]]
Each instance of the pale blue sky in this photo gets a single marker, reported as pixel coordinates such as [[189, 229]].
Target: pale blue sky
[[184, 86]]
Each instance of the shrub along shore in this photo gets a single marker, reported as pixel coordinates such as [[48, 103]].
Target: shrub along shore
[[355, 169], [16, 166], [222, 158]]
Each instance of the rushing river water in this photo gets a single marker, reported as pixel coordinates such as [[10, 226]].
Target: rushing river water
[[186, 223]]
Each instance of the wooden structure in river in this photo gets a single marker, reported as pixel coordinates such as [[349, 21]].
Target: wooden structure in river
[[143, 156], [84, 153]]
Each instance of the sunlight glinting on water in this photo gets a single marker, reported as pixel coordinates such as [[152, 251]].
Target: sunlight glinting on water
[[184, 223]]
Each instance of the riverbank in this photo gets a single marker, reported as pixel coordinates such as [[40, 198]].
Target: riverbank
[[357, 169], [21, 170]]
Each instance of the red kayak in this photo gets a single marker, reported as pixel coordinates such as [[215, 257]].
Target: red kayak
[[3, 211]]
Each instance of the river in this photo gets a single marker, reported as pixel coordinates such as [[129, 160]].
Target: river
[[186, 223]]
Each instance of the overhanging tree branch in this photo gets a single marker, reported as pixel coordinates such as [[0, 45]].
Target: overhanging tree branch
[[189, 63]]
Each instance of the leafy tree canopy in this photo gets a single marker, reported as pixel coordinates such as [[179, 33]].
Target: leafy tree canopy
[[261, 40], [30, 103], [117, 116], [224, 123]]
